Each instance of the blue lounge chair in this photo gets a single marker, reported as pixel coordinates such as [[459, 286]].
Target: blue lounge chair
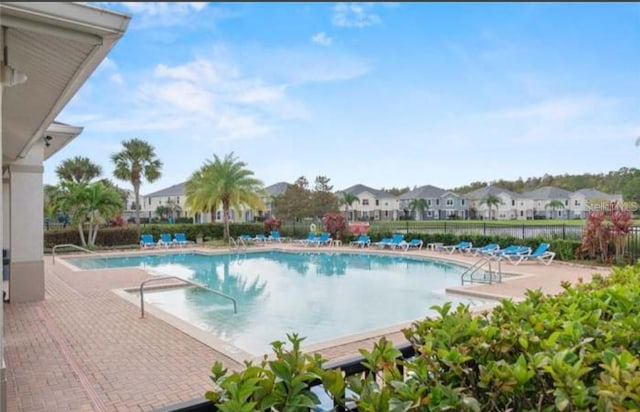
[[165, 240], [323, 240], [310, 238], [460, 247], [415, 243], [260, 238], [487, 249], [275, 236], [511, 250], [147, 241], [385, 241], [541, 254], [181, 239], [397, 241], [362, 241]]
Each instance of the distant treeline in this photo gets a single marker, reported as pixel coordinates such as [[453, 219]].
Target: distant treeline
[[625, 181]]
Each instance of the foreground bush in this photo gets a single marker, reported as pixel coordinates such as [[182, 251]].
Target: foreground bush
[[576, 351]]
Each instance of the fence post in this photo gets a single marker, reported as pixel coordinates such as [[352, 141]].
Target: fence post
[[407, 222], [484, 228], [523, 231], [445, 226], [564, 232]]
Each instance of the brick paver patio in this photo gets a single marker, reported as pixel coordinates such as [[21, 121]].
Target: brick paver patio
[[86, 349]]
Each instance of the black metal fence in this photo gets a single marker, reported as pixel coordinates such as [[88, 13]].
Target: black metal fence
[[519, 231]]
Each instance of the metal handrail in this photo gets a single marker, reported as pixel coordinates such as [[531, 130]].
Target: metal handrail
[[477, 266], [235, 303], [53, 250], [237, 243]]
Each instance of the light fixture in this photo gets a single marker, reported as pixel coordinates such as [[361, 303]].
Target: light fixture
[[47, 140], [9, 76]]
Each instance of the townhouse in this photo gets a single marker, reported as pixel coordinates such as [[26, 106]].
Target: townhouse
[[372, 204], [441, 204]]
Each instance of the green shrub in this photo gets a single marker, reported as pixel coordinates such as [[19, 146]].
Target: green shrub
[[576, 351], [110, 236]]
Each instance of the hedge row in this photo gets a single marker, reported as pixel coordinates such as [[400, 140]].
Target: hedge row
[[122, 236], [575, 351]]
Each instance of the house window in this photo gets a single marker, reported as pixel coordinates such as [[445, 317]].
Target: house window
[[437, 202], [218, 215], [429, 202], [149, 201], [566, 203], [513, 202], [386, 213], [178, 199], [365, 202], [559, 213], [449, 202], [377, 202], [521, 213], [462, 202], [576, 203], [521, 203]]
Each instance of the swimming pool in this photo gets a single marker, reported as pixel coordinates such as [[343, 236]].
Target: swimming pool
[[321, 296]]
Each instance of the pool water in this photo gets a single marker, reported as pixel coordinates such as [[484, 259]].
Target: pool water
[[321, 296]]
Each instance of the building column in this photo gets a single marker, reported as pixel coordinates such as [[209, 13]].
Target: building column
[[26, 282]]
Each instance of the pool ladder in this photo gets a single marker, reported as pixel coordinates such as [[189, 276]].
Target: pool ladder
[[71, 245], [198, 285], [237, 244], [487, 275]]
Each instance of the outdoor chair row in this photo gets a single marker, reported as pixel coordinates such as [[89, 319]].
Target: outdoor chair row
[[514, 254], [179, 239]]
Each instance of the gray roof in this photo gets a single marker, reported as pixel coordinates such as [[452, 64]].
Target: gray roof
[[175, 190], [357, 189], [547, 193], [277, 189], [491, 190], [423, 192], [594, 194]]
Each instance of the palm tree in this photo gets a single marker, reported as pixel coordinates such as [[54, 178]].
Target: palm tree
[[137, 161], [491, 200], [92, 203], [78, 169], [347, 200], [419, 206], [223, 182], [554, 204]]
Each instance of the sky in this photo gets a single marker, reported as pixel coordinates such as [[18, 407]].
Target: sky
[[380, 94]]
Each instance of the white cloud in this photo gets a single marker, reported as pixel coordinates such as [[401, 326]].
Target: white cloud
[[157, 14], [557, 109], [117, 79], [354, 15], [321, 39]]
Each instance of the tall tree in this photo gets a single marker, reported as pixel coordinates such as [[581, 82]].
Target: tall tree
[[554, 204], [295, 202], [227, 182], [137, 161], [78, 169], [323, 200], [347, 200], [491, 200], [419, 206]]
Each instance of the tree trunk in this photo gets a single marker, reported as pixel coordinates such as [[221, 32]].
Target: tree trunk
[[84, 243], [225, 220], [136, 191], [95, 235]]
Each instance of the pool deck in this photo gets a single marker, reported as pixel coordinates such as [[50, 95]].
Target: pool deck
[[85, 348]]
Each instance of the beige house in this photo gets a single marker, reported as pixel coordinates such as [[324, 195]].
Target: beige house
[[512, 205], [372, 204], [584, 200], [175, 197], [51, 50]]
